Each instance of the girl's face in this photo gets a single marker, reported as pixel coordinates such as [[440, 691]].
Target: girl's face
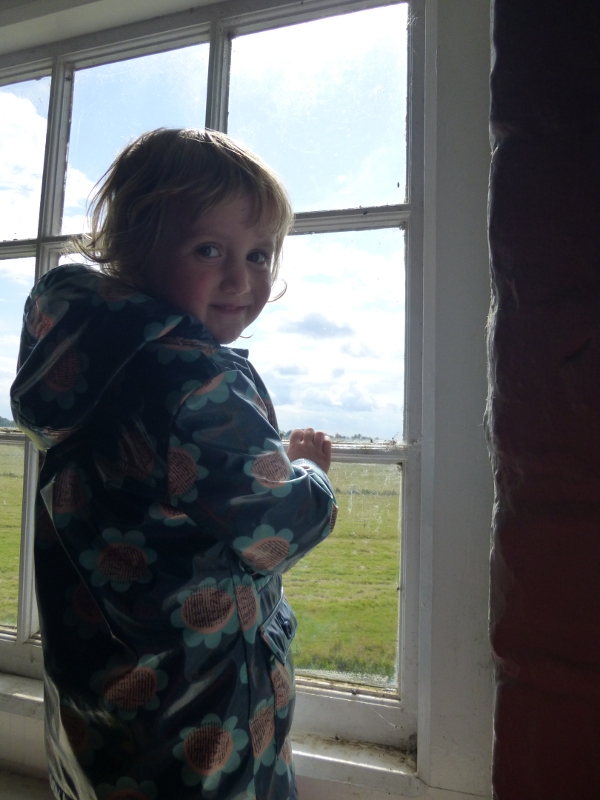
[[218, 268]]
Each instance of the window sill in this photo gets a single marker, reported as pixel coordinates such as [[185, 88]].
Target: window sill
[[373, 767], [327, 769]]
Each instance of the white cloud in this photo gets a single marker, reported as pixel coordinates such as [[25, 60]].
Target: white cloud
[[22, 141], [305, 52], [77, 193], [351, 386], [316, 326], [18, 270]]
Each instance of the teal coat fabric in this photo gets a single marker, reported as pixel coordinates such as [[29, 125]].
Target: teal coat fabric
[[169, 512]]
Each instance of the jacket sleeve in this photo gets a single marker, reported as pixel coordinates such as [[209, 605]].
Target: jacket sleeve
[[227, 469]]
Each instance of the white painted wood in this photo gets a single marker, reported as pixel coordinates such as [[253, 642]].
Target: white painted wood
[[351, 219], [376, 719], [55, 158], [38, 43], [410, 527], [21, 696], [18, 787], [27, 617], [455, 677], [219, 66], [22, 745]]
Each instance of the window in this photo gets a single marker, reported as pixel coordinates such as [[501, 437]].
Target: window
[[331, 349], [442, 662]]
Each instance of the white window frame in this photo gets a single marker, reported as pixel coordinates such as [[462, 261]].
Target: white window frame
[[426, 703]]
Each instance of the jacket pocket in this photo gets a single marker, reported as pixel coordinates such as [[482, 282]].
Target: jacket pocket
[[279, 629]]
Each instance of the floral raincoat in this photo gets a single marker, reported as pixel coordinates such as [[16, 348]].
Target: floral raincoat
[[169, 512]]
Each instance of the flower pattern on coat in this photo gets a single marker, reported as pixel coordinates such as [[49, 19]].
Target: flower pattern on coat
[[168, 511]]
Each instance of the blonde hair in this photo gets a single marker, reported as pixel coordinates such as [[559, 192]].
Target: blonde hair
[[203, 167]]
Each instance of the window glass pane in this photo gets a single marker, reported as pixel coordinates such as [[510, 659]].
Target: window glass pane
[[23, 119], [114, 103], [11, 491], [16, 280], [324, 103], [331, 350], [345, 592]]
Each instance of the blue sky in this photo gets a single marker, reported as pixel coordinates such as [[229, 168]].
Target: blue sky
[[332, 124]]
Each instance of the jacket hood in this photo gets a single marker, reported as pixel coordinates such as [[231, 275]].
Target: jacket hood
[[74, 311]]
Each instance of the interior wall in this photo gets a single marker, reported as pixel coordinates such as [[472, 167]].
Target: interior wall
[[544, 424]]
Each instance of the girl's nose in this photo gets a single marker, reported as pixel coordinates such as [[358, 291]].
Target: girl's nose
[[235, 276]]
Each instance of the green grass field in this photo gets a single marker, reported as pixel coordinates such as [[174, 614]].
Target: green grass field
[[11, 493], [344, 593]]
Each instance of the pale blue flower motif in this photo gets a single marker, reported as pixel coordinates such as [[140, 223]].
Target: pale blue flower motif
[[125, 689], [248, 606], [266, 550], [262, 734], [154, 330], [216, 390], [119, 559], [210, 750], [183, 470], [270, 468], [126, 787], [206, 613]]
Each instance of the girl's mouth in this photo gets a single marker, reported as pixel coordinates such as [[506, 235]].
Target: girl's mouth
[[226, 309]]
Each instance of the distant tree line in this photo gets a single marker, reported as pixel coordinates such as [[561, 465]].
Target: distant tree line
[[338, 437]]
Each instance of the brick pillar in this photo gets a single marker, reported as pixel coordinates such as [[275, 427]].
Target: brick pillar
[[544, 412]]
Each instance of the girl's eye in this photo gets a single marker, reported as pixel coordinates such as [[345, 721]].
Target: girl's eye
[[259, 258], [207, 251]]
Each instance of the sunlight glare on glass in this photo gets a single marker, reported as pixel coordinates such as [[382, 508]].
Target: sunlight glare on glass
[[114, 103], [23, 119], [324, 103]]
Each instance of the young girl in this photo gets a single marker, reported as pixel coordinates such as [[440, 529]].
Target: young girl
[[170, 508]]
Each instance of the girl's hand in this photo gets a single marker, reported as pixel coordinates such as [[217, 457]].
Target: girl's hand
[[311, 444]]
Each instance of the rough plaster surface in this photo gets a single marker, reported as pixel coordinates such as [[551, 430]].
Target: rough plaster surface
[[544, 409]]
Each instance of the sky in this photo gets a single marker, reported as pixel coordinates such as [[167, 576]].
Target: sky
[[332, 124]]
